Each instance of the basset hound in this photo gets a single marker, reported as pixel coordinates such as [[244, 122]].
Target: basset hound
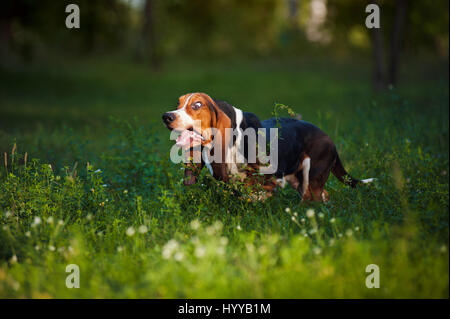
[[305, 157]]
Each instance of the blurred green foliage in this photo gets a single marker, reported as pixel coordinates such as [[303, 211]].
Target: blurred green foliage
[[36, 29]]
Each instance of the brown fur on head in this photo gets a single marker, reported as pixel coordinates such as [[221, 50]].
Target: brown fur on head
[[193, 107], [200, 114]]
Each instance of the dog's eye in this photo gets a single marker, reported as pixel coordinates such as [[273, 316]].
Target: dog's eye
[[196, 105]]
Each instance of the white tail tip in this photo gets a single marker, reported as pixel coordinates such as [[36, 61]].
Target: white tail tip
[[367, 180]]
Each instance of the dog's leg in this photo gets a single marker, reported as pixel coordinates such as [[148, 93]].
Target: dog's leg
[[292, 180], [325, 196], [281, 182], [306, 166], [317, 184]]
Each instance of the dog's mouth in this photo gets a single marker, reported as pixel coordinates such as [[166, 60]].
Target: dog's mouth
[[189, 138]]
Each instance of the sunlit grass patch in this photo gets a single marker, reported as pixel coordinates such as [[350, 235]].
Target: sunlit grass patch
[[111, 202]]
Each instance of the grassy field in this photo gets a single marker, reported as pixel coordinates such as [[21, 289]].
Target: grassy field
[[87, 180]]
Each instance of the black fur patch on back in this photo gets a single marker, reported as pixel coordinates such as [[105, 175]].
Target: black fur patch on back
[[250, 120]]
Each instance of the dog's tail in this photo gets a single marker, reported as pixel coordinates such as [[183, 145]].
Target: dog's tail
[[339, 171]]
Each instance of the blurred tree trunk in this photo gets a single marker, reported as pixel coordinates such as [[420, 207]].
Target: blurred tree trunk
[[378, 59], [293, 6], [396, 40], [149, 35], [5, 36], [6, 16]]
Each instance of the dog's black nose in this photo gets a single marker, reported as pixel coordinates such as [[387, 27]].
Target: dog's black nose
[[168, 117]]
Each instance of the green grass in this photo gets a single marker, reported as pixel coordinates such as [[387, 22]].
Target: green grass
[[108, 177]]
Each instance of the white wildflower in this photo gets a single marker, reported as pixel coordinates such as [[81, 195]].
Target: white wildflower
[[51, 248], [287, 210], [200, 251], [15, 285], [238, 227], [218, 225], [37, 220], [262, 249], [333, 220], [223, 241], [50, 220], [13, 259], [169, 248], [195, 224], [130, 231], [179, 256], [142, 229], [310, 213], [317, 250]]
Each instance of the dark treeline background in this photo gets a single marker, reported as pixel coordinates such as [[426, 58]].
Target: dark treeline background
[[153, 32]]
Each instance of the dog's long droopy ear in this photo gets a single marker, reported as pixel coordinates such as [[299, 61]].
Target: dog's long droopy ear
[[220, 121]]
